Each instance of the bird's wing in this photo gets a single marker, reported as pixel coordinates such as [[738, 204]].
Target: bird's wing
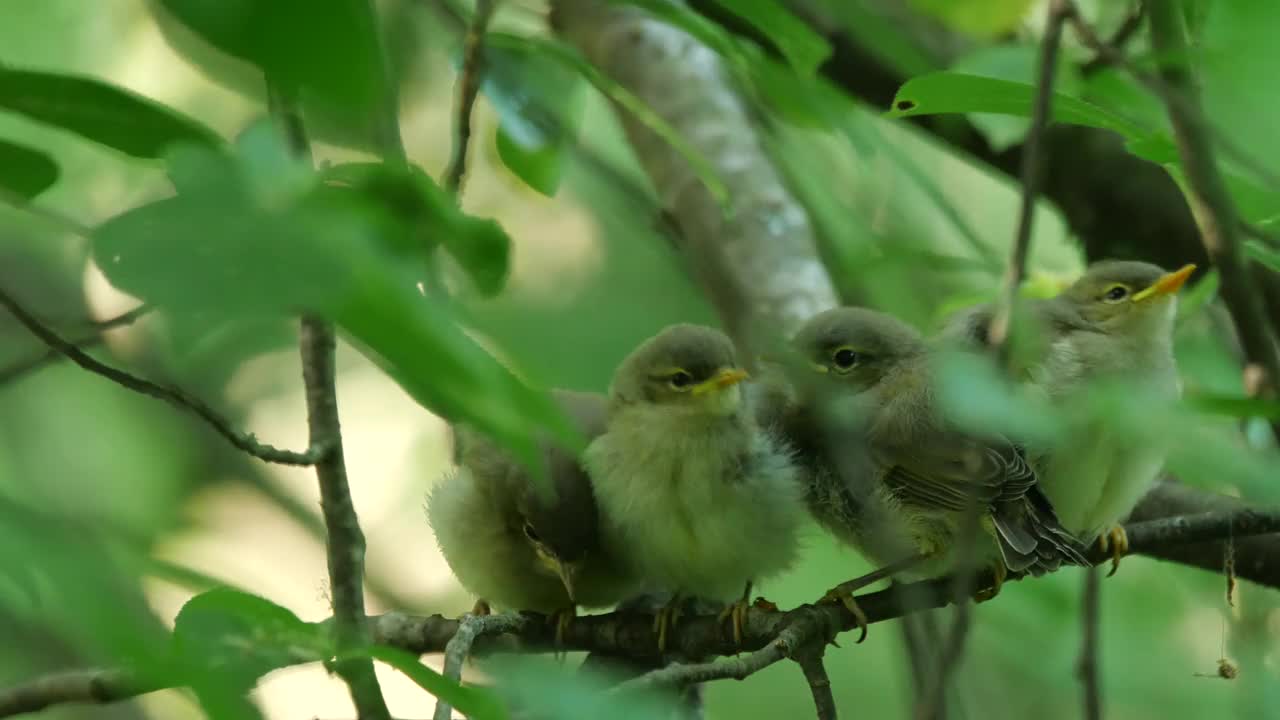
[[954, 473]]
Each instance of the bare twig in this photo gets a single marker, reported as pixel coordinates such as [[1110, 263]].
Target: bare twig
[[1210, 200], [345, 547], [77, 686], [935, 701], [242, 441], [459, 647], [1118, 40], [1041, 115], [630, 634], [468, 89], [1088, 667], [815, 674], [49, 356]]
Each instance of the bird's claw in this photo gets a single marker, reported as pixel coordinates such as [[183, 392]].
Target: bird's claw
[[844, 596], [1115, 541], [666, 619], [736, 613], [998, 574], [563, 619]]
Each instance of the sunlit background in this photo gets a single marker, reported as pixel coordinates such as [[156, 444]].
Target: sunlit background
[[592, 275]]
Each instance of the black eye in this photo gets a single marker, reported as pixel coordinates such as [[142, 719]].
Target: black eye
[[530, 533], [680, 380], [1116, 292], [844, 358]]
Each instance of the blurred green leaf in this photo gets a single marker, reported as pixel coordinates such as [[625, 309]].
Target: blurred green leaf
[[1016, 63], [539, 104], [25, 172], [229, 248], [1194, 300], [803, 48], [473, 702], [983, 18], [1233, 406], [99, 112], [626, 100], [241, 637], [1263, 253]]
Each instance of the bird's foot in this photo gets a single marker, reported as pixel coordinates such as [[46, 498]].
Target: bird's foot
[[481, 608], [1115, 541], [843, 594], [666, 619], [998, 574], [562, 618], [736, 614]]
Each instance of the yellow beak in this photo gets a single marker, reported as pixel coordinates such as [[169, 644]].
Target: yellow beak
[[1168, 284], [567, 573], [724, 378]]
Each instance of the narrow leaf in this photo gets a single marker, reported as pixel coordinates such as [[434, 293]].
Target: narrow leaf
[[803, 48], [473, 702], [99, 112], [25, 173]]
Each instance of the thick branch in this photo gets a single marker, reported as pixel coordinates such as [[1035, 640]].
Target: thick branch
[[1207, 191], [757, 257], [815, 674], [345, 544], [242, 441]]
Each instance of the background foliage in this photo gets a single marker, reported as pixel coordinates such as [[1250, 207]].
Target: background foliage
[[143, 121]]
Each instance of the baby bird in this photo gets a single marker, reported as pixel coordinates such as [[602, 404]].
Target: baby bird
[[522, 546], [1114, 325], [698, 498], [888, 474]]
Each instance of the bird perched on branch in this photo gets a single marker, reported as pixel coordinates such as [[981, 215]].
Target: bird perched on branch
[[693, 492], [525, 544], [1111, 329], [890, 475]]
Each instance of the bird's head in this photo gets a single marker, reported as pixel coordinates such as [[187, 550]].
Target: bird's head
[[687, 367], [560, 527], [854, 347], [1124, 297]]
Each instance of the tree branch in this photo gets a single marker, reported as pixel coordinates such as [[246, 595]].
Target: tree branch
[[1088, 667], [1211, 202], [815, 674], [76, 686], [468, 89], [22, 367], [758, 258], [242, 441], [345, 547], [1031, 171], [459, 647], [769, 635]]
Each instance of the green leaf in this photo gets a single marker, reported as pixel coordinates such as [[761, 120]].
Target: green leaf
[[1015, 63], [24, 172], [539, 104], [233, 248], [803, 48], [983, 18], [626, 100], [480, 246], [240, 637], [948, 92], [1199, 296], [328, 50], [99, 112], [473, 702], [1261, 252], [1234, 406]]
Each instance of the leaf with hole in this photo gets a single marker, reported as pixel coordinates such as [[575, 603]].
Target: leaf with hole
[[25, 173], [99, 112]]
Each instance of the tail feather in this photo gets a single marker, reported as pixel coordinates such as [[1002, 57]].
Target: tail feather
[[1030, 537]]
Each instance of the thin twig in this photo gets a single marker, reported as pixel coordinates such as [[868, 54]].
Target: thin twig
[[77, 686], [345, 548], [1118, 40], [935, 701], [49, 356], [815, 674], [1208, 195], [459, 648], [468, 89], [776, 633], [1041, 114], [1088, 667], [242, 441]]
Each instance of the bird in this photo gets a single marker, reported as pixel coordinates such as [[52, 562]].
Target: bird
[[887, 473], [521, 543], [699, 498], [1112, 325]]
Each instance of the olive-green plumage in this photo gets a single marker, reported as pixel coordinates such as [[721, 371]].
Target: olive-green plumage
[[888, 473], [521, 545], [1114, 325]]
